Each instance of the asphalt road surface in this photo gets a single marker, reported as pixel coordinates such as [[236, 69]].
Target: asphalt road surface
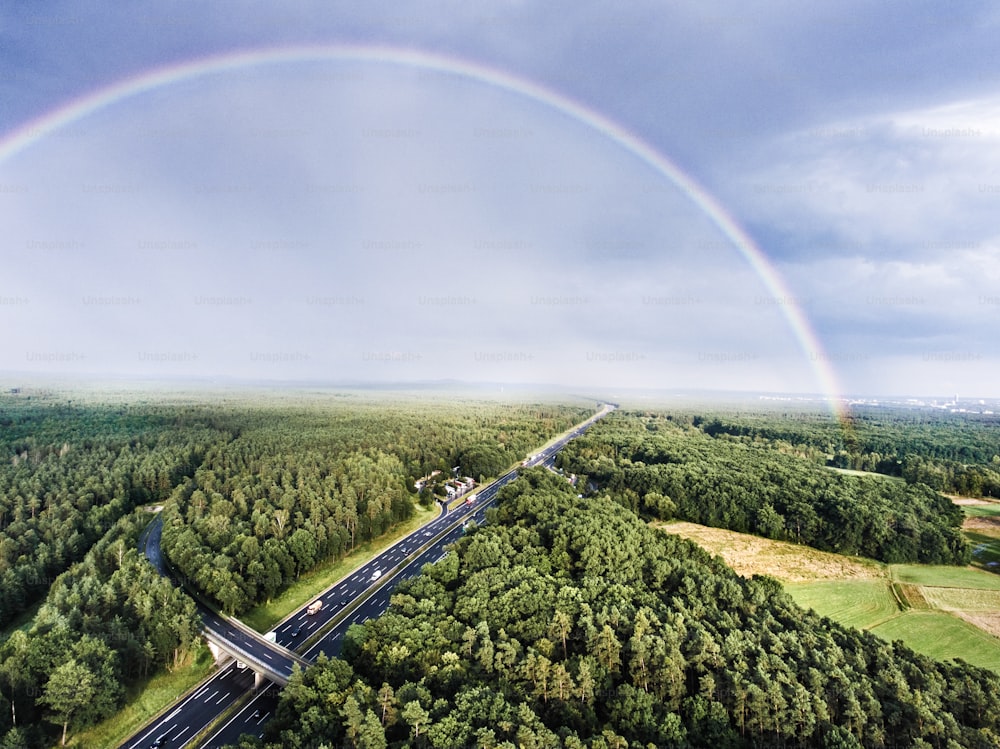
[[189, 717]]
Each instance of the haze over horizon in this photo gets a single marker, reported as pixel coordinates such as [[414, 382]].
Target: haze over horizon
[[368, 221]]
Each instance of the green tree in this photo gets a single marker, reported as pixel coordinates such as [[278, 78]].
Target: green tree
[[416, 717], [68, 692]]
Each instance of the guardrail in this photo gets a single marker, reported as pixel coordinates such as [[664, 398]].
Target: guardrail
[[250, 634], [334, 621]]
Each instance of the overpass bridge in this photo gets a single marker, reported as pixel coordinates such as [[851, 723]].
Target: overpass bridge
[[344, 603], [225, 635]]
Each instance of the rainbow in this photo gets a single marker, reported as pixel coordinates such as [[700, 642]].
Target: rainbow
[[805, 336]]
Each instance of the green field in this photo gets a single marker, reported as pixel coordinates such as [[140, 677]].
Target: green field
[[928, 607], [982, 511], [942, 636], [871, 605], [943, 576], [963, 599], [857, 603]]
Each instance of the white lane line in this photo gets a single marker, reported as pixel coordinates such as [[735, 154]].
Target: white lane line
[[222, 699], [211, 695], [263, 717], [183, 731]]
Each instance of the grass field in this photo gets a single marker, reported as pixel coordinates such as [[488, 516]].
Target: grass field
[[262, 618], [940, 611], [963, 599], [857, 603], [144, 701], [943, 576], [942, 636], [790, 563], [986, 509]]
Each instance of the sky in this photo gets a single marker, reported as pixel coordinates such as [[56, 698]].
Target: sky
[[789, 197]]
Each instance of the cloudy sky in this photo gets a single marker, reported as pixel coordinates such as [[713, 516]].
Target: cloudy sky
[[503, 192]]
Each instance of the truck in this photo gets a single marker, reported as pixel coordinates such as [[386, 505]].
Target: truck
[[314, 607]]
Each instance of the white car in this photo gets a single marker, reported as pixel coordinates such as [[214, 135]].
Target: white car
[[376, 575]]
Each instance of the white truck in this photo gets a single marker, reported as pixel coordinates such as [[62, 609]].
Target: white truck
[[314, 607]]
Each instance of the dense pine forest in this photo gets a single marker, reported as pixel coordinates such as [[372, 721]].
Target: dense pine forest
[[106, 623], [569, 622], [950, 452], [256, 491], [68, 472], [566, 621], [694, 470], [298, 487]]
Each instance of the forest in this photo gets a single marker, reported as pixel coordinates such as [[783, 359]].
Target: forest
[[569, 622], [68, 472], [566, 621], [277, 483], [105, 624], [950, 452], [673, 468], [297, 487]]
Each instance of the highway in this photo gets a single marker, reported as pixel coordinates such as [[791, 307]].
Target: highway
[[190, 717]]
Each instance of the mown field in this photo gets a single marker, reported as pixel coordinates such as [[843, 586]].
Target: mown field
[[942, 611]]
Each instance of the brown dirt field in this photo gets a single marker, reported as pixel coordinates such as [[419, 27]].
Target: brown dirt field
[[968, 500], [913, 595], [988, 622], [791, 563], [983, 525]]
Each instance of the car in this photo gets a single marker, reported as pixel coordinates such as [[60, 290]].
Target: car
[[296, 632], [376, 575], [255, 714], [161, 741]]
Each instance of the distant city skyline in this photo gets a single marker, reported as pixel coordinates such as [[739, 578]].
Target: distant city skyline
[[649, 197]]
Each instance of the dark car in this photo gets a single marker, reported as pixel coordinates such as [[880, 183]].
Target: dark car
[[296, 632], [159, 742]]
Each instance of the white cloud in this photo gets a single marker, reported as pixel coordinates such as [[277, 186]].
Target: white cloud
[[392, 225]]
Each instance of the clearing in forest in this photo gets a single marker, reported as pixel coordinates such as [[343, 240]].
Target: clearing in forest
[[982, 528], [941, 611], [784, 561]]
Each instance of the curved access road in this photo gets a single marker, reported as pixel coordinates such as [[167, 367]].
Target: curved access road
[[361, 595]]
